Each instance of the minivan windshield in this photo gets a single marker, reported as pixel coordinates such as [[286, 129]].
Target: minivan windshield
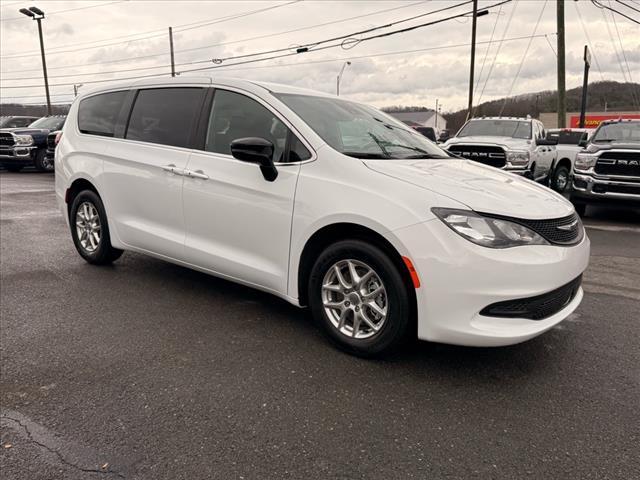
[[496, 128], [360, 131], [48, 123], [627, 132]]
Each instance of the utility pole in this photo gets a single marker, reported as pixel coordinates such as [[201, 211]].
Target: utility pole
[[339, 77], [75, 89], [473, 56], [562, 94], [173, 63], [585, 83], [37, 15], [436, 125]]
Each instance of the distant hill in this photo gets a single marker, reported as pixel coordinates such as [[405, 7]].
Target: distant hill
[[616, 96]]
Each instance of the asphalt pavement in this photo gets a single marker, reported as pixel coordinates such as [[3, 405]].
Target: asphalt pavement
[[147, 370]]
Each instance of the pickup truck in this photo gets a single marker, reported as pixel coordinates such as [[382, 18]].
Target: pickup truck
[[21, 147], [569, 141], [518, 145], [607, 169]]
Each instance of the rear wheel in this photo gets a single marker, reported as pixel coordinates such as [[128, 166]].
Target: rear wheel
[[42, 163], [90, 229], [359, 298]]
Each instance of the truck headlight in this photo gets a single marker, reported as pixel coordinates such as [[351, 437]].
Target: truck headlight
[[23, 140], [518, 159], [585, 161], [488, 231]]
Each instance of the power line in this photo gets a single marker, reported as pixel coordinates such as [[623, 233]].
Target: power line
[[601, 6], [341, 59], [208, 22], [486, 52], [495, 57], [404, 30], [286, 49], [628, 6], [586, 34], [10, 19], [377, 12], [526, 51]]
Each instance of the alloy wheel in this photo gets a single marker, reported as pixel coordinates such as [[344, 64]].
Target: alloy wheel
[[354, 299], [88, 227]]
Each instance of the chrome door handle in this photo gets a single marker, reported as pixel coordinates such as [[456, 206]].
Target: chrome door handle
[[169, 168], [196, 174]]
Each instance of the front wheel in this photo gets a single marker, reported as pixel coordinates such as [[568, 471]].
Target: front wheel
[[560, 179], [359, 298], [42, 163], [90, 230]]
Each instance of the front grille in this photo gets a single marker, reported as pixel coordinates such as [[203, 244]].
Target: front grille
[[559, 231], [6, 140], [619, 163], [538, 307], [628, 189], [487, 155]]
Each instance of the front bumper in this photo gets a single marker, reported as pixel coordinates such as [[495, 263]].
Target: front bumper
[[459, 279], [593, 188], [16, 155]]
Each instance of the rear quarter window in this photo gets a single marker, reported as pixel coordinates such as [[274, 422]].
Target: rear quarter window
[[98, 115]]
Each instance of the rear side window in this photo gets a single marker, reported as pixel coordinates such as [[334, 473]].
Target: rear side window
[[98, 115], [165, 115]]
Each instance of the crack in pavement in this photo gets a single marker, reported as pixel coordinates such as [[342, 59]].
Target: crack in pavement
[[56, 452]]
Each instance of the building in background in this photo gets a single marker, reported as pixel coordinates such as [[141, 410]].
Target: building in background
[[592, 119]]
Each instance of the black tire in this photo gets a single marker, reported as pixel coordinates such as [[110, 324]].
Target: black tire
[[103, 253], [14, 169], [41, 163], [581, 208], [560, 179], [399, 312]]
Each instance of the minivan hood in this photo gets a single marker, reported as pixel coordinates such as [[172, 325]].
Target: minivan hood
[[479, 187], [509, 143]]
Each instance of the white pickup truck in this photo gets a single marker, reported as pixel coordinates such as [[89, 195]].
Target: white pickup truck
[[569, 144], [518, 145]]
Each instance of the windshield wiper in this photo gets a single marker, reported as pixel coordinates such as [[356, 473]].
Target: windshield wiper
[[376, 156], [380, 144]]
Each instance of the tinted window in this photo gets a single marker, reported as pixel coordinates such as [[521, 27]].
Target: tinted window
[[165, 115], [298, 152], [236, 116], [49, 123], [567, 137], [98, 115], [12, 122]]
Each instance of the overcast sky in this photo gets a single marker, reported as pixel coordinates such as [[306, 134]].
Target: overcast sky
[[98, 37]]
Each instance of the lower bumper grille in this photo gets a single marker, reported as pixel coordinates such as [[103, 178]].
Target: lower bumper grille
[[626, 189], [538, 307]]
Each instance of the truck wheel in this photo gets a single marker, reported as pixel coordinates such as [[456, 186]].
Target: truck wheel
[[560, 179], [42, 163]]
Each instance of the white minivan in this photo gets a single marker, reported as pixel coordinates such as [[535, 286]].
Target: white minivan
[[325, 202]]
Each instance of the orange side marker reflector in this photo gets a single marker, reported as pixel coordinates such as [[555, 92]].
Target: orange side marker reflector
[[412, 271]]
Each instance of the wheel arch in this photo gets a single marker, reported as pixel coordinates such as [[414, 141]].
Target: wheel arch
[[564, 162], [334, 232], [78, 185]]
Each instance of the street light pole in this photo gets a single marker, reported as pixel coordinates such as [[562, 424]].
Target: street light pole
[[37, 15], [339, 77], [474, 22]]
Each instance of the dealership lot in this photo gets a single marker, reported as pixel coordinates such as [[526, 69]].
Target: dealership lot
[[149, 370]]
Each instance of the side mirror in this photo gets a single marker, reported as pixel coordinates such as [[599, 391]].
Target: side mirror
[[256, 150], [546, 143]]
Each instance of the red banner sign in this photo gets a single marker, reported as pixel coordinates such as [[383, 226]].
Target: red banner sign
[[592, 121]]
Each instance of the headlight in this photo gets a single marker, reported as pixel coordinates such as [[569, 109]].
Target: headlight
[[518, 159], [585, 161], [24, 140], [487, 231]]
